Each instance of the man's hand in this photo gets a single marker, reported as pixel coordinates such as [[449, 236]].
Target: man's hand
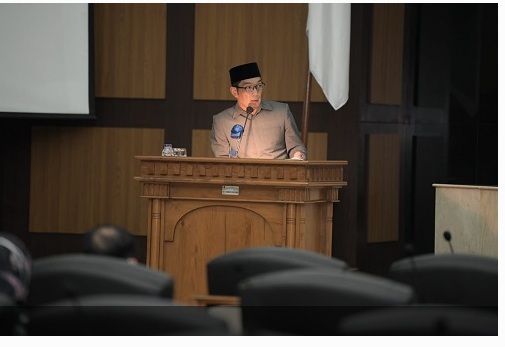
[[299, 155]]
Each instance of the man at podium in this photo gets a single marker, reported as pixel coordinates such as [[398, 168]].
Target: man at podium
[[255, 128]]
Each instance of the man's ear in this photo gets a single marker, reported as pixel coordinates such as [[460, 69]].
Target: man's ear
[[233, 91]]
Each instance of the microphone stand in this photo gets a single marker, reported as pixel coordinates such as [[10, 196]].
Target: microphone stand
[[447, 237], [249, 110]]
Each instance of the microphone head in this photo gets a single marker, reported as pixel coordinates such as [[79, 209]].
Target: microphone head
[[447, 235], [236, 131], [249, 110]]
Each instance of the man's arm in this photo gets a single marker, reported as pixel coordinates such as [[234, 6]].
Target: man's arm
[[218, 140], [294, 144]]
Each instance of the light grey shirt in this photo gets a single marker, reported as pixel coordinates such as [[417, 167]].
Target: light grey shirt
[[270, 134]]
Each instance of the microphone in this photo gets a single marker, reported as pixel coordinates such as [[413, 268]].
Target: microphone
[[448, 237], [248, 110]]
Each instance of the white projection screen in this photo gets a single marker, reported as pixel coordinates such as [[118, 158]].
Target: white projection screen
[[45, 60]]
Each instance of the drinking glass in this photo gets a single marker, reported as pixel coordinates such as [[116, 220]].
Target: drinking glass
[[180, 152]]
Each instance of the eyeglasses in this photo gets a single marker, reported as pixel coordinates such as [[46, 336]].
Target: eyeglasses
[[259, 87]]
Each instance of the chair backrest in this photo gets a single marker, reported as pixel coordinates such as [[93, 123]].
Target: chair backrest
[[15, 267], [226, 271], [121, 315], [71, 275], [321, 287], [9, 315], [459, 279], [419, 320], [312, 300]]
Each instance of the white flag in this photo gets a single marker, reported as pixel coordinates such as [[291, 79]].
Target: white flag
[[329, 36]]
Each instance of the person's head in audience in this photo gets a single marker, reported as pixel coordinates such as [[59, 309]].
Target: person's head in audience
[[15, 267], [111, 240]]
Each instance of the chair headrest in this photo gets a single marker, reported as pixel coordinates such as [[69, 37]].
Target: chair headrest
[[15, 267]]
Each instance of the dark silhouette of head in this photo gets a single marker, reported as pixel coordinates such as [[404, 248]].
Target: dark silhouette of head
[[15, 267], [109, 239]]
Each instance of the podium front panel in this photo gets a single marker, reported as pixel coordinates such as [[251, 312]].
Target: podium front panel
[[200, 208]]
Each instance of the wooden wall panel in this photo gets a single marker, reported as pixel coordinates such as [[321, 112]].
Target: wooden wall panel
[[386, 60], [273, 35], [383, 187], [130, 50], [82, 176], [317, 146], [200, 144]]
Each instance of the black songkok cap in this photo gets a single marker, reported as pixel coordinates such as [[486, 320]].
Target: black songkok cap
[[243, 72]]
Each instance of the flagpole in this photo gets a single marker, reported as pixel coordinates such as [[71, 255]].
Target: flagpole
[[306, 108]]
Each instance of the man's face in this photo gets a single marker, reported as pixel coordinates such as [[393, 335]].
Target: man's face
[[245, 98]]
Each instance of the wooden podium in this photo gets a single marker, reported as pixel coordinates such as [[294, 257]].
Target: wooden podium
[[199, 208]]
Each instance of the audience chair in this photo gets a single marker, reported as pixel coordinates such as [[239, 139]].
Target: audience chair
[[421, 320], [455, 279], [311, 301], [225, 271], [8, 315], [121, 315], [74, 275]]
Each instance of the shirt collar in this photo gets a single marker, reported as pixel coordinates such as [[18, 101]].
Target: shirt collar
[[265, 105]]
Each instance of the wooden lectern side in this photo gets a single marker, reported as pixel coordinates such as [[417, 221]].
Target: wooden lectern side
[[199, 208]]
